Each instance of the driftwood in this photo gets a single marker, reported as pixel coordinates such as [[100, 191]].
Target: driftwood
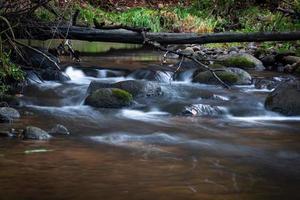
[[127, 36]]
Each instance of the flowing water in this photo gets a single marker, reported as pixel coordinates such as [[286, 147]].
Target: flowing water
[[233, 149]]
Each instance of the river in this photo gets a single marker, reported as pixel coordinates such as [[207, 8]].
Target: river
[[150, 151]]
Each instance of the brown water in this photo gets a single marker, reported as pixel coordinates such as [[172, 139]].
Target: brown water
[[150, 151]]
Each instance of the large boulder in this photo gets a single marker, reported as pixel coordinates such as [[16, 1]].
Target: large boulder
[[37, 60], [109, 98], [138, 88], [285, 99], [244, 61], [152, 75], [8, 114], [54, 75], [229, 75], [35, 133]]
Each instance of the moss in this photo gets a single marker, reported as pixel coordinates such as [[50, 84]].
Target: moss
[[122, 95], [228, 77], [238, 61], [207, 77], [216, 66]]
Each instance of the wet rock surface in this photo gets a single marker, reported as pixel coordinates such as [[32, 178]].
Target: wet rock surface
[[285, 99], [203, 110], [241, 60], [152, 75], [8, 114], [59, 129], [35, 133], [228, 75], [138, 88], [109, 98]]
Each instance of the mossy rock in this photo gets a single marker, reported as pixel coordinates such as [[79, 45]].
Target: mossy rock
[[230, 76], [137, 88], [243, 61], [122, 95], [207, 77], [109, 98], [216, 66]]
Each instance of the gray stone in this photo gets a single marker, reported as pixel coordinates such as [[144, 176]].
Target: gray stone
[[285, 99], [35, 133], [8, 114], [59, 129]]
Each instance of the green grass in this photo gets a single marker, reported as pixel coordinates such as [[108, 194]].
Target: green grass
[[199, 19]]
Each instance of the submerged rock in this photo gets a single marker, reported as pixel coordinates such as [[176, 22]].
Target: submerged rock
[[8, 114], [244, 61], [203, 110], [109, 98], [59, 129], [6, 134], [229, 75], [35, 133], [285, 99], [138, 88]]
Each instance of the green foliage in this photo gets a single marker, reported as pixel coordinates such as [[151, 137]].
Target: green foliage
[[259, 19], [44, 15], [9, 73]]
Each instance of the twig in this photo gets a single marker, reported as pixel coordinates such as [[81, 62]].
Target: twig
[[39, 52], [191, 57]]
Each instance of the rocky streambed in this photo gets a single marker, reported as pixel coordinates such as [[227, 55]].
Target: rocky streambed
[[154, 132]]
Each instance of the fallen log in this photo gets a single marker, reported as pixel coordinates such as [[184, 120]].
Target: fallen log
[[127, 36]]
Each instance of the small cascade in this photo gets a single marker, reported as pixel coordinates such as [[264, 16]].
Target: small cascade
[[204, 110], [74, 74]]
